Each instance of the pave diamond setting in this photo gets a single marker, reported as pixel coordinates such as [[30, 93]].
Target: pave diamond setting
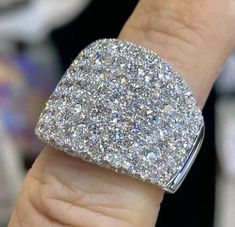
[[122, 107]]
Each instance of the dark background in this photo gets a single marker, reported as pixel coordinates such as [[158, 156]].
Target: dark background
[[193, 204]]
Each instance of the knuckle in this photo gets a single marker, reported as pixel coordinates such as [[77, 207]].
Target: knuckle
[[37, 203], [39, 194], [60, 205]]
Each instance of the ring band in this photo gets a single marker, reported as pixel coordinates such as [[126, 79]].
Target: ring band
[[123, 107]]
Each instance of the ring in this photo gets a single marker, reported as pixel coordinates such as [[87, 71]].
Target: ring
[[122, 107]]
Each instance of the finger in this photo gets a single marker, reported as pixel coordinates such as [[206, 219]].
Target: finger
[[61, 190], [195, 37]]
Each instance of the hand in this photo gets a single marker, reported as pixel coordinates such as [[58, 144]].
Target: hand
[[196, 37]]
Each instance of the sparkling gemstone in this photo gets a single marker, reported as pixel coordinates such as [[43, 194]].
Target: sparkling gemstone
[[151, 157], [157, 119], [123, 80], [153, 138], [126, 165], [149, 112], [168, 109], [147, 79], [76, 136], [161, 76], [136, 129], [118, 136], [115, 120], [141, 72], [97, 55], [78, 108]]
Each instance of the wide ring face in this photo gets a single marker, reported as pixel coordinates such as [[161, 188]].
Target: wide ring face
[[122, 107]]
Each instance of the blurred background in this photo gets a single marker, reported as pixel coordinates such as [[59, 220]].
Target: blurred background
[[38, 41]]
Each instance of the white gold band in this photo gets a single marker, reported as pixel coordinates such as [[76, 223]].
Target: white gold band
[[122, 107]]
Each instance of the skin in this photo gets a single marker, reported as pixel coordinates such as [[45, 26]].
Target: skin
[[196, 37]]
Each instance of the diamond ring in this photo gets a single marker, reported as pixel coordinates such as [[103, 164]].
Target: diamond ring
[[124, 108]]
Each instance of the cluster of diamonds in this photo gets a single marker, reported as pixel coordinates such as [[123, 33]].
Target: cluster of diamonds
[[122, 107]]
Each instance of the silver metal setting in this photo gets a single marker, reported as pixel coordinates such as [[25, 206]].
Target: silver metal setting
[[124, 108], [174, 185]]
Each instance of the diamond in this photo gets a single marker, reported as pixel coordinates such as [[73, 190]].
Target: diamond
[[123, 80], [115, 120], [118, 136], [78, 108], [97, 56], [136, 129], [149, 112], [147, 79], [126, 165], [157, 120], [141, 72], [161, 76], [151, 157], [153, 138], [168, 109]]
